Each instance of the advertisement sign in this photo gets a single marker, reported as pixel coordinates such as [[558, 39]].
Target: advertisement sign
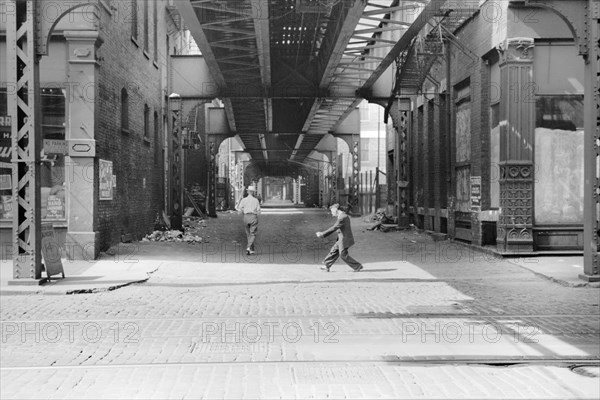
[[6, 207], [53, 146], [55, 208], [106, 180], [476, 193], [5, 182], [51, 252], [5, 139]]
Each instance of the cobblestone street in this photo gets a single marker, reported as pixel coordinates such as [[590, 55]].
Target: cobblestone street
[[424, 319]]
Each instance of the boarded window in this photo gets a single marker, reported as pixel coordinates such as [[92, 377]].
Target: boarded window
[[559, 140]]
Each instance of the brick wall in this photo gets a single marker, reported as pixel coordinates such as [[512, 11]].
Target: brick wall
[[137, 165], [432, 158]]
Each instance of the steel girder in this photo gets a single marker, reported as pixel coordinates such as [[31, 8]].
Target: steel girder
[[23, 105], [591, 269]]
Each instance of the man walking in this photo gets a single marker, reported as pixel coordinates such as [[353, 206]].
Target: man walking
[[250, 207], [345, 239]]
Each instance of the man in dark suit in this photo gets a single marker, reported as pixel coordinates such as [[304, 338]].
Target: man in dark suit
[[345, 239]]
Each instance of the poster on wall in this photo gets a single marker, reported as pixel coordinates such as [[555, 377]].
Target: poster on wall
[[106, 180], [5, 168]]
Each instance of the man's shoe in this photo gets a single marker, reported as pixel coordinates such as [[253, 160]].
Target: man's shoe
[[325, 268], [358, 269]]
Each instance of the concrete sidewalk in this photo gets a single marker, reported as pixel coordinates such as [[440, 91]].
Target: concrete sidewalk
[[113, 272], [81, 277], [564, 270]]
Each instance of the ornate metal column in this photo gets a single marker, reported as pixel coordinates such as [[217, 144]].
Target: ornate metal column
[[516, 147], [591, 228], [176, 184], [23, 105]]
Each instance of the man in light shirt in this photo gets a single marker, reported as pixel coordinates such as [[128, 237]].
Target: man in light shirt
[[249, 206]]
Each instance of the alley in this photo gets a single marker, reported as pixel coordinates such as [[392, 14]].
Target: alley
[[424, 319]]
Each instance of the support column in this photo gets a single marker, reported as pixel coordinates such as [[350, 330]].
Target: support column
[[23, 105], [211, 182], [355, 191], [176, 163], [334, 183], [321, 184], [214, 141], [516, 147], [79, 166], [591, 225], [402, 160]]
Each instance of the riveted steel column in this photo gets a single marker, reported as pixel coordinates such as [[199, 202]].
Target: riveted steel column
[[23, 106], [402, 160], [591, 228], [214, 142], [212, 171], [355, 190], [334, 177], [176, 184]]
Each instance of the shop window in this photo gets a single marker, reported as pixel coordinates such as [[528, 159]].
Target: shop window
[[559, 141], [54, 149], [5, 162]]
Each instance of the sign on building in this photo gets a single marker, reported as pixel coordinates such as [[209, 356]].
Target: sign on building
[[52, 146], [51, 252], [106, 180]]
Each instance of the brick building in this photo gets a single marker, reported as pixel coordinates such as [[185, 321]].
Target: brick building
[[495, 133], [105, 84]]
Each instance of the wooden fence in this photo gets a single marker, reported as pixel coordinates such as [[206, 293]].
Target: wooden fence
[[371, 193]]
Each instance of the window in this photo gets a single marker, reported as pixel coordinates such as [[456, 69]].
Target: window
[[5, 159], [364, 150], [52, 170], [134, 19], [155, 31], [495, 156], [146, 18], [559, 169], [146, 122], [124, 111], [156, 140]]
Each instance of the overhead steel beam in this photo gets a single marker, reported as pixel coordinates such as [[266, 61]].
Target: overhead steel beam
[[345, 34], [431, 9], [260, 11], [186, 10]]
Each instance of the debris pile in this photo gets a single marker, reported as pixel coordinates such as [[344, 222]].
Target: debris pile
[[382, 222], [192, 233]]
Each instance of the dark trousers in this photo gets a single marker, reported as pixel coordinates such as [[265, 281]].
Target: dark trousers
[[251, 226], [335, 253]]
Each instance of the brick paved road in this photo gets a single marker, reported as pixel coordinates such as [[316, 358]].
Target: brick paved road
[[424, 320]]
